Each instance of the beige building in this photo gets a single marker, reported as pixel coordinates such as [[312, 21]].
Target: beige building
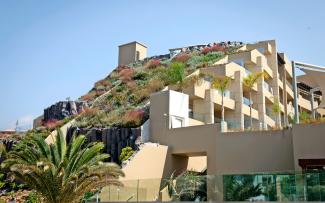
[[131, 52], [275, 88], [184, 131]]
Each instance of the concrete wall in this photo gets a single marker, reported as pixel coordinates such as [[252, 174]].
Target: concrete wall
[[143, 176], [240, 152], [308, 141]]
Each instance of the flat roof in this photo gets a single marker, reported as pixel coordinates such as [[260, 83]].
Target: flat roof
[[134, 42]]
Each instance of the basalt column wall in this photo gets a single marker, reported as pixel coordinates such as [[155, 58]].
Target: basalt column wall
[[114, 139]]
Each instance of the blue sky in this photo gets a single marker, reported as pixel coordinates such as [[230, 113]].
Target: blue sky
[[51, 50]]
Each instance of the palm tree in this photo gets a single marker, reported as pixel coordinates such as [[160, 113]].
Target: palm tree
[[221, 85], [276, 109], [249, 82], [176, 75], [240, 188], [187, 187], [61, 172]]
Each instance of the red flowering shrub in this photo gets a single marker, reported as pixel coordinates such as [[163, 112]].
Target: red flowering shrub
[[121, 67], [154, 63], [183, 57], [88, 96], [133, 118], [206, 50], [126, 74], [103, 82], [100, 92], [53, 124], [217, 47]]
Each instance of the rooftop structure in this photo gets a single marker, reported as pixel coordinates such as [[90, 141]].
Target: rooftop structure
[[131, 52]]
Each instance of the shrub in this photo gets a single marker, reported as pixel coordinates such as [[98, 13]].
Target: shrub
[[212, 56], [153, 63], [53, 124], [131, 85], [217, 47], [195, 60], [126, 153], [155, 85], [304, 117], [139, 96], [126, 75], [141, 75], [206, 50], [133, 118], [100, 88], [89, 96], [183, 57], [103, 83], [32, 198], [121, 67], [88, 112]]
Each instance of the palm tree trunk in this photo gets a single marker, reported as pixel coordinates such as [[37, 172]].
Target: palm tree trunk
[[250, 109], [222, 109]]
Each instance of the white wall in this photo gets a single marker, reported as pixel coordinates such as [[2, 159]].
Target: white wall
[[145, 131], [178, 108]]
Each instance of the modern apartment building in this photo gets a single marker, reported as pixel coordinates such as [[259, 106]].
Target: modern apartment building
[[184, 132], [275, 88]]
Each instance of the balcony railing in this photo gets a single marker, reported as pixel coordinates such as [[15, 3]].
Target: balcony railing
[[267, 87], [225, 94], [289, 84], [246, 101]]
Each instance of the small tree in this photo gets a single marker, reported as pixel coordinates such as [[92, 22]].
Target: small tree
[[221, 85], [276, 109], [176, 75], [249, 82]]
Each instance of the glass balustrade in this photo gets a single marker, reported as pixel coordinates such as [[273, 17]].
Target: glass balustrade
[[281, 187], [246, 101], [267, 87]]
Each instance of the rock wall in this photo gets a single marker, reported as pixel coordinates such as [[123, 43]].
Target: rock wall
[[115, 139], [63, 109]]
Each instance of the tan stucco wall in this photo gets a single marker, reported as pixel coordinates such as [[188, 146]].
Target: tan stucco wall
[[127, 53], [143, 176], [234, 152], [308, 141]]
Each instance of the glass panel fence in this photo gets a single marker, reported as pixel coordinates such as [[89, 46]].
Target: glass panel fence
[[282, 187]]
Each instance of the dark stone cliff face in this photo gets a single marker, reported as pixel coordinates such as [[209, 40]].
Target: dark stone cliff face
[[63, 109], [114, 139]]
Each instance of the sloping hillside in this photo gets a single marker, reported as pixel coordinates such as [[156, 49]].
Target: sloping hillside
[[121, 99]]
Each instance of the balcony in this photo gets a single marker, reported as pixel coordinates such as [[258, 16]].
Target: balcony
[[228, 100], [269, 91], [246, 101], [267, 87], [280, 81], [246, 109]]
